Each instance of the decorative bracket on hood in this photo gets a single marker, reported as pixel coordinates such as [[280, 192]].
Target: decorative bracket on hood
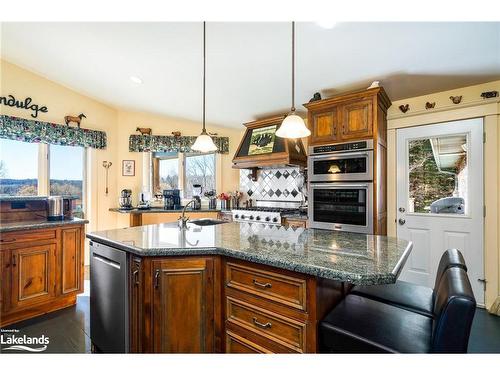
[[261, 148]]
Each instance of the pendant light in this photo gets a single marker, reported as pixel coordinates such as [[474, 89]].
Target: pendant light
[[293, 126], [204, 143]]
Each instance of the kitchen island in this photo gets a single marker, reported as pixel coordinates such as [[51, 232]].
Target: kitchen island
[[238, 287]]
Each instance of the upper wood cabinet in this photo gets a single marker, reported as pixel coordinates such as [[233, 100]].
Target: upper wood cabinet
[[347, 117], [325, 125], [183, 305], [357, 119]]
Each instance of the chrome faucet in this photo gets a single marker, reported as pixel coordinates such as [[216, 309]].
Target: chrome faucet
[[183, 220]]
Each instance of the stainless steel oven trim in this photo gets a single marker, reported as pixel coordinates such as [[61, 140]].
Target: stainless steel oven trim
[[367, 229], [368, 175], [369, 147]]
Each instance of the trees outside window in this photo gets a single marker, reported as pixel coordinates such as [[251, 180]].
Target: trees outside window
[[199, 169]]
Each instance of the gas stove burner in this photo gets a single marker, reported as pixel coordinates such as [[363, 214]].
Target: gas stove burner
[[268, 215]]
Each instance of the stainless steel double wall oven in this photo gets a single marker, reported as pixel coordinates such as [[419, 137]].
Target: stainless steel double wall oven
[[341, 186]]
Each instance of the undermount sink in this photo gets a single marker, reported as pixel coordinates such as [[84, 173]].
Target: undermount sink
[[204, 222]]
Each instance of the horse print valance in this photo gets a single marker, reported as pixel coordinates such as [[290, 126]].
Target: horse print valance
[[168, 143], [21, 129]]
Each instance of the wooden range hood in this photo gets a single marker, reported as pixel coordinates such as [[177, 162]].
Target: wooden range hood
[[285, 152]]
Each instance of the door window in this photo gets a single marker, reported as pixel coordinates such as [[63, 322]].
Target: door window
[[438, 175]]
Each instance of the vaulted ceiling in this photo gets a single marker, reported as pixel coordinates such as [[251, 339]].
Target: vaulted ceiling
[[248, 64]]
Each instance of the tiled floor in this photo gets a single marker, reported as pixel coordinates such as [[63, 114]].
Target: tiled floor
[[69, 329]]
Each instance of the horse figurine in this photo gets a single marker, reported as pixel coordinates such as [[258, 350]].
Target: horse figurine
[[144, 131], [77, 119]]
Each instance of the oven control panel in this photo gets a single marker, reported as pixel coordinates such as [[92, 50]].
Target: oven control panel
[[353, 146]]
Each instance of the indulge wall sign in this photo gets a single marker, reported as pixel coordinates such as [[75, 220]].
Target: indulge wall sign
[[26, 104]]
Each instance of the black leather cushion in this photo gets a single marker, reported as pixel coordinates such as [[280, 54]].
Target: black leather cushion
[[362, 325], [450, 258], [454, 308], [405, 295], [410, 296]]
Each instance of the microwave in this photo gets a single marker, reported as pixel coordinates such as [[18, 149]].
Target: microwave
[[341, 162]]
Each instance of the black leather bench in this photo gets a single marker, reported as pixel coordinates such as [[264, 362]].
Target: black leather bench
[[363, 325], [410, 296]]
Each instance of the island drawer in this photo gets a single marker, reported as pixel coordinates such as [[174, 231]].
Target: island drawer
[[276, 287], [237, 344], [268, 324], [17, 236]]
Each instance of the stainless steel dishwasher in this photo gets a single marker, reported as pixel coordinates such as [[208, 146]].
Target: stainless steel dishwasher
[[109, 324]]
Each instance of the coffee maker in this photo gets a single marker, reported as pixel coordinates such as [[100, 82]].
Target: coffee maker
[[197, 190], [171, 199], [126, 199]]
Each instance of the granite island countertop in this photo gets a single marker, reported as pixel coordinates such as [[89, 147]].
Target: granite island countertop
[[350, 257], [11, 226]]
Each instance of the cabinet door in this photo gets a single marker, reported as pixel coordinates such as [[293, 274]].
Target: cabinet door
[[33, 274], [357, 119], [183, 305], [5, 279], [71, 263], [324, 126], [136, 305]]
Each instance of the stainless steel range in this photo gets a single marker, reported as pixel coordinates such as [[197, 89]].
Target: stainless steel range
[[267, 212]]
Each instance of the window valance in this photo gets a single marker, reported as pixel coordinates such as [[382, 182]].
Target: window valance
[[167, 143], [21, 129]]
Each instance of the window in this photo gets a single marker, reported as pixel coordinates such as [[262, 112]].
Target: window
[[18, 168], [438, 175], [199, 169], [172, 170], [66, 173]]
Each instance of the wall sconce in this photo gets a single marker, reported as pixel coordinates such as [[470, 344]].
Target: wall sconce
[[106, 165]]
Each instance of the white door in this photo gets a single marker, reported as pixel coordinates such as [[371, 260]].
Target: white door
[[440, 198]]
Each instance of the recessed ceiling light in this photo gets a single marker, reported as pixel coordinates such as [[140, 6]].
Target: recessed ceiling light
[[136, 79], [326, 24]]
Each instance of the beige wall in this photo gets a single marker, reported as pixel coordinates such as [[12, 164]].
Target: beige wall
[[60, 102], [118, 125], [228, 178], [472, 106]]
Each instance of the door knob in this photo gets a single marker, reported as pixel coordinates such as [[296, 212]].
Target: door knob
[[401, 221]]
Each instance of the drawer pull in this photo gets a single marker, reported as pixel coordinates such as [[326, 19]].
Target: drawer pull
[[262, 325], [262, 285], [7, 241]]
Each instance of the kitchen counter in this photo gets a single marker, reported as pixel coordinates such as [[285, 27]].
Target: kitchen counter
[[10, 226], [341, 256], [22, 198], [157, 210]]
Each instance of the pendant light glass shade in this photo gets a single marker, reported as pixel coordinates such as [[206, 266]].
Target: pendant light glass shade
[[293, 126], [204, 143]]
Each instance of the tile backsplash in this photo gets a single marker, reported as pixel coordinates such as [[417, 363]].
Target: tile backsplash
[[277, 184]]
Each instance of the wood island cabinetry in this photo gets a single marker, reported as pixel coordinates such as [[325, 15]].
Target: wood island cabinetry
[[216, 304]]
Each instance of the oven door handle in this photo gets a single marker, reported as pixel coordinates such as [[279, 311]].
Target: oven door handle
[[338, 185], [335, 156]]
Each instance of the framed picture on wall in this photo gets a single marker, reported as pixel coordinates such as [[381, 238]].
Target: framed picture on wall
[[128, 167]]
